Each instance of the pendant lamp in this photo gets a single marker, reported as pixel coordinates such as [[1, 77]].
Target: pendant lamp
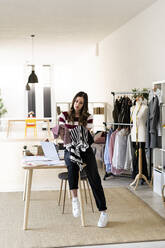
[[33, 77]]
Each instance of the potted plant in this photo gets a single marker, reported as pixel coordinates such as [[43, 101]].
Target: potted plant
[[2, 109], [137, 92]]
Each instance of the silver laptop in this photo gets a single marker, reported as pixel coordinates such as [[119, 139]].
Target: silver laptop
[[50, 150]]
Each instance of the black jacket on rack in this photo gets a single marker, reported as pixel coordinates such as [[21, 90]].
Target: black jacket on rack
[[121, 111]]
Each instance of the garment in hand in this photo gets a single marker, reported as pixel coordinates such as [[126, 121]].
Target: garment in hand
[[79, 142]]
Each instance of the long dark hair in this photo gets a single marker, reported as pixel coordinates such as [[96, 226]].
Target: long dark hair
[[84, 114]]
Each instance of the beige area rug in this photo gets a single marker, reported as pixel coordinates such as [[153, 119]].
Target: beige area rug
[[130, 220]]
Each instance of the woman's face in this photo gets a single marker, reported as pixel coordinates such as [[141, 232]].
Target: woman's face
[[78, 104]]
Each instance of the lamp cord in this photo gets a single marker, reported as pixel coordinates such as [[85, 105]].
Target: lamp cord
[[32, 48]]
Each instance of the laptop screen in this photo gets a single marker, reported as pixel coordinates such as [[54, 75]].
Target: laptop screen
[[50, 150]]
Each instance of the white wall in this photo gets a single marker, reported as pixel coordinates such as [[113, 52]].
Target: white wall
[[82, 76], [12, 89], [85, 75], [133, 56]]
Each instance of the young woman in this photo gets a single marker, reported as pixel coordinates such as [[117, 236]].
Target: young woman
[[79, 116]]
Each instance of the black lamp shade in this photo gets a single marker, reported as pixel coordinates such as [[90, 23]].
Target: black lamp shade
[[32, 78]]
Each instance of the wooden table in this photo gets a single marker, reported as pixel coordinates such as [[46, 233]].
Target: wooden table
[[47, 120], [28, 183]]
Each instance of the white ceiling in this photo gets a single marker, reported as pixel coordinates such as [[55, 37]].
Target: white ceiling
[[63, 28]]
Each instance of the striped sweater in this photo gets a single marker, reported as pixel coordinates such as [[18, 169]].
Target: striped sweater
[[63, 121]]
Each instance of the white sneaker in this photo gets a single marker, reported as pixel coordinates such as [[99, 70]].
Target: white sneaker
[[103, 220], [75, 208]]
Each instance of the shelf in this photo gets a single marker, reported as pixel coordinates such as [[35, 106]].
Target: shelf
[[159, 82], [159, 155], [161, 149]]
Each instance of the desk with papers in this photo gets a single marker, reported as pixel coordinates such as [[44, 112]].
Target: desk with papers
[[40, 162]]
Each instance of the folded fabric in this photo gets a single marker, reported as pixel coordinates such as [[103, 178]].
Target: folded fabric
[[100, 138], [99, 151], [62, 132]]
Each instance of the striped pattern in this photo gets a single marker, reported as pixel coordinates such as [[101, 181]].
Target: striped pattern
[[78, 135], [79, 138], [63, 121]]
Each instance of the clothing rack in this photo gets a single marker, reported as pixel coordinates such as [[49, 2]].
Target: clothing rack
[[132, 93], [127, 93], [119, 124], [124, 124], [139, 175], [115, 124], [110, 173]]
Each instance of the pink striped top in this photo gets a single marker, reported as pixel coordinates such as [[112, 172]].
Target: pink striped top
[[63, 121]]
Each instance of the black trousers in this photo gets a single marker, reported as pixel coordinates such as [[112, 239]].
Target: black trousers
[[136, 159], [91, 170]]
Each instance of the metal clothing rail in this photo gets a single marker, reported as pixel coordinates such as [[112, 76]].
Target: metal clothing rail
[[116, 124], [119, 124], [129, 92]]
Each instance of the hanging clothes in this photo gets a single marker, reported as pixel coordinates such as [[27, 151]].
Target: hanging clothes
[[119, 154], [156, 92], [121, 114], [129, 155], [106, 152], [98, 150], [152, 123], [121, 111], [112, 144]]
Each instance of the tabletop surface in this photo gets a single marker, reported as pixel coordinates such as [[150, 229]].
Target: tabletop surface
[[41, 161]]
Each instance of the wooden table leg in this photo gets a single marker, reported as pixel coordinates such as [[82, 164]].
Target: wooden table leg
[[81, 202], [27, 199], [25, 185]]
